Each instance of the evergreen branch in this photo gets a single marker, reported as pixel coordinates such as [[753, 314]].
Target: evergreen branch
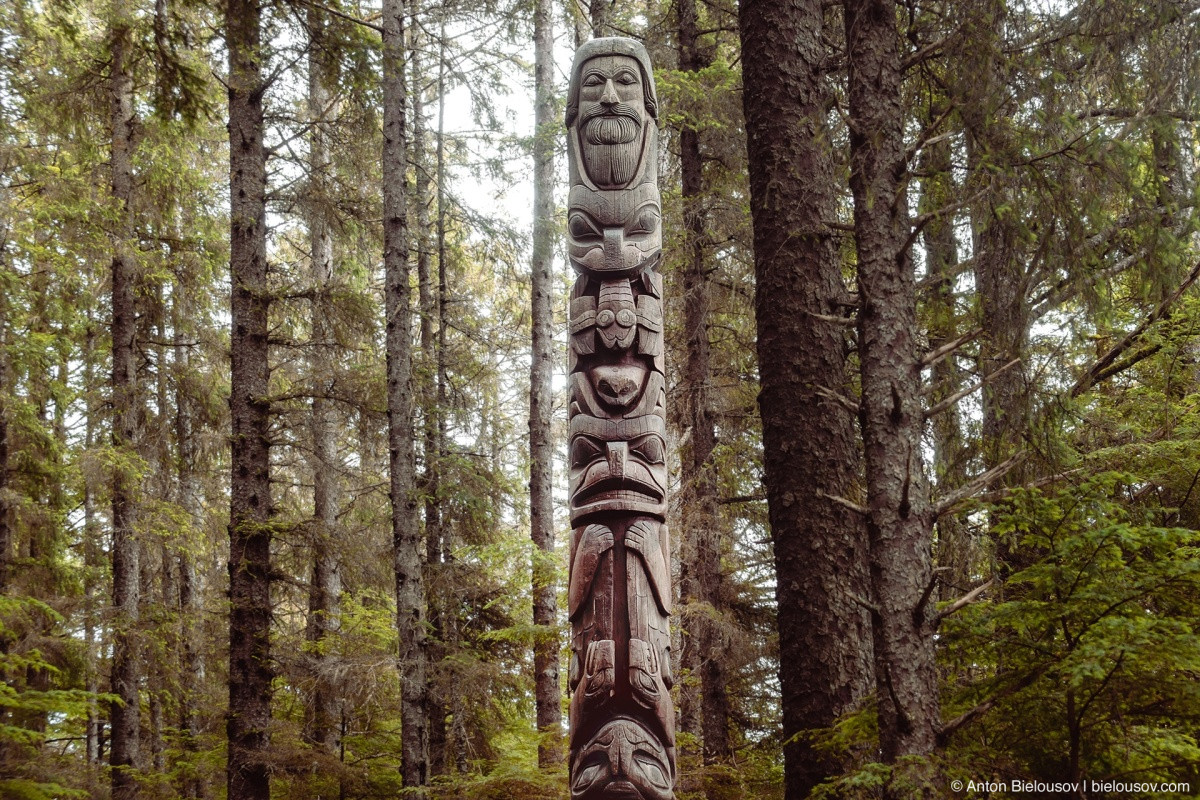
[[952, 500], [844, 503], [946, 730], [964, 601], [961, 393], [356, 20], [938, 353], [1100, 370]]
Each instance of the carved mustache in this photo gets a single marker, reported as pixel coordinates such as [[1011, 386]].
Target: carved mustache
[[616, 124]]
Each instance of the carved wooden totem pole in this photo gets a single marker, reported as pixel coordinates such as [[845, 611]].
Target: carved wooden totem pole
[[622, 717]]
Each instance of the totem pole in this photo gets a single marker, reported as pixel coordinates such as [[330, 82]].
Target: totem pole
[[622, 717]]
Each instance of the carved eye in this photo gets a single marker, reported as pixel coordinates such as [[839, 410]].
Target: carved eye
[[581, 227], [593, 79], [626, 78], [652, 770], [584, 451], [646, 221], [649, 448]]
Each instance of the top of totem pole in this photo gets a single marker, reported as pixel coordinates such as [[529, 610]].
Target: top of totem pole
[[612, 46], [614, 217]]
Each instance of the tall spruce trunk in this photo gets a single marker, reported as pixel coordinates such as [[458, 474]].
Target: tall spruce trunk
[[428, 381], [900, 519], [191, 665], [1000, 276], [126, 663], [250, 666], [809, 443], [547, 695], [406, 533], [955, 551], [700, 569], [323, 715]]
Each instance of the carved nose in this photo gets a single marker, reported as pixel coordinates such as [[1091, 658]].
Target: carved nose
[[617, 453], [609, 96], [617, 389], [614, 245]]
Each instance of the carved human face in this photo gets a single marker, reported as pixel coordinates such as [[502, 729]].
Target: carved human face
[[612, 119], [612, 234], [618, 465], [622, 762]]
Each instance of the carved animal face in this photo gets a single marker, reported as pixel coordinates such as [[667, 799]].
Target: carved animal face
[[622, 762], [612, 119], [618, 465], [611, 234]]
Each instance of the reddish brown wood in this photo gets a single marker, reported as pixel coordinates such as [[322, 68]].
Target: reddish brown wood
[[619, 601]]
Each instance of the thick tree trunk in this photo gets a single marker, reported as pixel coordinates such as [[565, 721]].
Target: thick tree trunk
[[406, 534], [701, 592], [126, 664], [547, 694], [900, 521], [250, 667], [809, 447], [323, 716]]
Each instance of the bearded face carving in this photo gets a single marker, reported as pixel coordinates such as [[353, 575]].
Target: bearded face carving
[[621, 712], [612, 120]]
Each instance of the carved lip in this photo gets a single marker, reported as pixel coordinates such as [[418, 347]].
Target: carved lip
[[626, 501], [616, 271], [617, 489], [621, 790]]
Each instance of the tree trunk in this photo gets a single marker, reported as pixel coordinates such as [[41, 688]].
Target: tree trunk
[[541, 398], [190, 631], [250, 507], [809, 447], [1000, 277], [427, 379], [955, 551], [323, 716], [900, 521], [701, 592], [126, 663], [406, 538]]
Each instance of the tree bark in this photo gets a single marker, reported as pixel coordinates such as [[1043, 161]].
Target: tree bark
[[406, 538], [323, 716], [548, 696], [250, 507], [191, 665], [955, 551], [900, 520], [126, 664], [809, 447], [428, 379], [700, 592]]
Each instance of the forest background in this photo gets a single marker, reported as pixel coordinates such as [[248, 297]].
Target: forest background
[[933, 395]]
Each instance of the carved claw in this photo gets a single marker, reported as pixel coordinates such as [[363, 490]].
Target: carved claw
[[595, 542], [643, 673], [600, 670], [643, 538]]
